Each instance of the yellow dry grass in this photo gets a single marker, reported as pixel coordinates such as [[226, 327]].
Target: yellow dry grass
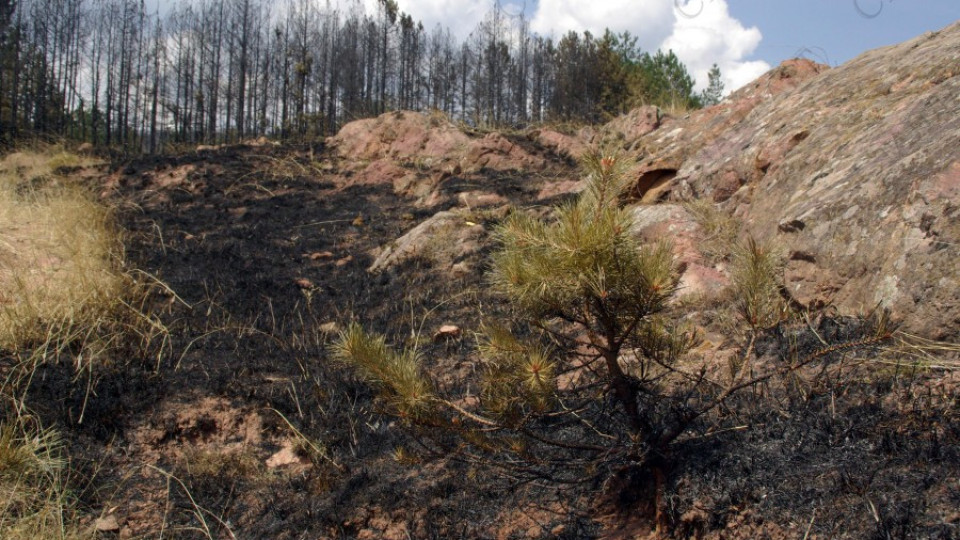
[[34, 502], [60, 253]]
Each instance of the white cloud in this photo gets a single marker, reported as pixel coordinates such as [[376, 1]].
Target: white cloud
[[649, 21], [707, 36], [702, 34], [712, 36]]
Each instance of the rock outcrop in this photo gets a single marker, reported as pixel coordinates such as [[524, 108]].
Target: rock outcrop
[[417, 154], [698, 278], [447, 239], [401, 135], [853, 171], [400, 144]]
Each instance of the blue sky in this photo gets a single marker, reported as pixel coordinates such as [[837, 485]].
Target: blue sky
[[832, 31], [745, 37]]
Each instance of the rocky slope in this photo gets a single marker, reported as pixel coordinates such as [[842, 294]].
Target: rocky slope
[[854, 171]]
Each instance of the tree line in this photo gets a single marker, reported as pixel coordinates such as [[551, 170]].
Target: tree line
[[208, 71]]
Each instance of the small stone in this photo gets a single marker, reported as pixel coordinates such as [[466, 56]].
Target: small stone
[[317, 255], [107, 524], [791, 226], [345, 261], [286, 456], [473, 199], [304, 283], [801, 255], [461, 269], [330, 328], [447, 331]]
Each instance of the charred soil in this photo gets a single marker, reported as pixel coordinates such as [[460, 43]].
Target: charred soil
[[239, 425]]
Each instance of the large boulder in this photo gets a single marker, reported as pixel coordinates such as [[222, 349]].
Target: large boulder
[[853, 171], [567, 145], [426, 139], [447, 239], [704, 142], [424, 142]]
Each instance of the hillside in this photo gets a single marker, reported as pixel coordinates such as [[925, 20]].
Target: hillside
[[239, 424]]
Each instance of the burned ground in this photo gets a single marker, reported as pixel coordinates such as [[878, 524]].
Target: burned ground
[[259, 250]]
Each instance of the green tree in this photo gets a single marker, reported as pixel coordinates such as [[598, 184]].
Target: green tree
[[571, 92], [713, 93], [587, 270], [614, 63], [664, 80]]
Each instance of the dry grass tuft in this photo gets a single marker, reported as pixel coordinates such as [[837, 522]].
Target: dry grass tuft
[[721, 230], [65, 292], [34, 502], [908, 349], [61, 257], [42, 162]]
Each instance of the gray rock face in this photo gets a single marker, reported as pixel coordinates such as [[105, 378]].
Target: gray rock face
[[854, 171]]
